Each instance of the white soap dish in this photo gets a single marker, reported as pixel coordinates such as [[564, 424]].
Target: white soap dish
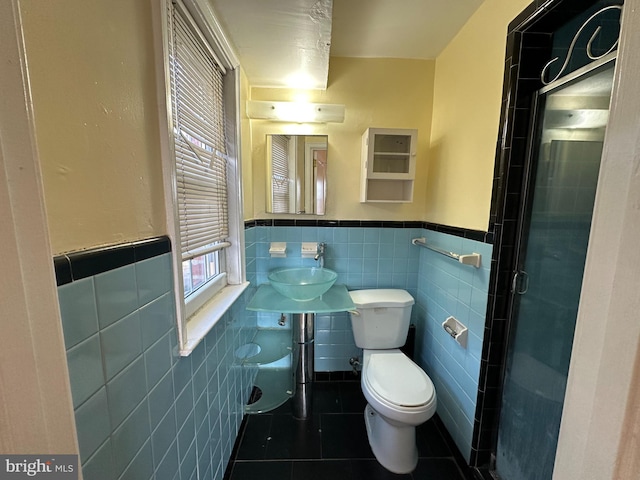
[[278, 249], [308, 249]]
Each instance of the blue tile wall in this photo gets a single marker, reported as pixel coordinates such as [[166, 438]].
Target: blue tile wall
[[251, 238], [447, 288], [142, 411], [363, 257]]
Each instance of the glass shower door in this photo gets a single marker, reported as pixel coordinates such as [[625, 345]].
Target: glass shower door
[[556, 221]]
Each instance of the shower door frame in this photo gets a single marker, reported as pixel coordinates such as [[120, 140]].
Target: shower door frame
[[530, 167], [519, 288]]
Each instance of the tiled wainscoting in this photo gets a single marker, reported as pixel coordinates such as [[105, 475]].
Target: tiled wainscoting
[[141, 410], [363, 257], [144, 412], [448, 288]]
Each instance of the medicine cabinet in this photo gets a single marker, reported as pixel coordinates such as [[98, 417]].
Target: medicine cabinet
[[388, 165]]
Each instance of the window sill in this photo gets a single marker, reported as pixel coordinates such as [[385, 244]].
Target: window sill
[[201, 322]]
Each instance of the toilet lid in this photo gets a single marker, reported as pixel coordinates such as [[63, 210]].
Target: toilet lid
[[397, 379]]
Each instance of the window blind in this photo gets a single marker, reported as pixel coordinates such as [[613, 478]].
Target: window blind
[[280, 178], [199, 139]]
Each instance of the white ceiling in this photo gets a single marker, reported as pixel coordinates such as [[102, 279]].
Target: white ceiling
[[287, 43]]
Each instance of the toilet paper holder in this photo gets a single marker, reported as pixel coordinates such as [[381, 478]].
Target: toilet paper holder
[[456, 330]]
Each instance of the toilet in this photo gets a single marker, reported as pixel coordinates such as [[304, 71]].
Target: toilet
[[400, 395]]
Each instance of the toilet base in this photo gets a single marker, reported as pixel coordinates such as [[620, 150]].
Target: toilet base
[[394, 446]]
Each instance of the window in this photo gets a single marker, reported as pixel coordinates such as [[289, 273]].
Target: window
[[199, 144], [203, 171]]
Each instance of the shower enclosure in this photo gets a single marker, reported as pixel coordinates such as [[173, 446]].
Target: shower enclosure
[[556, 220]]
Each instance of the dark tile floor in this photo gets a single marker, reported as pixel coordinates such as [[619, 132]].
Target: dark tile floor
[[332, 444]]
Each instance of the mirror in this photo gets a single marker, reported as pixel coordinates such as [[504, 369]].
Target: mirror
[[296, 173]]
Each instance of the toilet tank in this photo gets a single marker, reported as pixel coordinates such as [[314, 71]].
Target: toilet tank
[[382, 318]]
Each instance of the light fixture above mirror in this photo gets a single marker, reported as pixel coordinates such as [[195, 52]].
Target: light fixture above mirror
[[295, 112]]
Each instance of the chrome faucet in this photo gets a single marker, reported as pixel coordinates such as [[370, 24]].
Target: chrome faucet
[[320, 254]]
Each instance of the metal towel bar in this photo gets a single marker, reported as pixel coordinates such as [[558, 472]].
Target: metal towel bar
[[472, 259]]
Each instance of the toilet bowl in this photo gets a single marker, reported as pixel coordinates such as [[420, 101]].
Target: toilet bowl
[[399, 394], [397, 388]]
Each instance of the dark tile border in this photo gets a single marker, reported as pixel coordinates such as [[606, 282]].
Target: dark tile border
[[477, 235], [62, 267], [77, 265], [145, 249]]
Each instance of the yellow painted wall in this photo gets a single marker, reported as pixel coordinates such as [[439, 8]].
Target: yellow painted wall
[[466, 114], [93, 82], [386, 93], [92, 74]]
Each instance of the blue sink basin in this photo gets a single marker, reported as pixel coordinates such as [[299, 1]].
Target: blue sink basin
[[302, 283]]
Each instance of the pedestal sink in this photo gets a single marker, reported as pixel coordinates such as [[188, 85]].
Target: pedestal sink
[[302, 292], [302, 285]]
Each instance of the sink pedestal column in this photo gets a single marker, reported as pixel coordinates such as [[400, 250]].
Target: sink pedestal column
[[303, 341]]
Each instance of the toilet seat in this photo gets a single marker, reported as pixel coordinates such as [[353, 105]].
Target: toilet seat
[[396, 380]]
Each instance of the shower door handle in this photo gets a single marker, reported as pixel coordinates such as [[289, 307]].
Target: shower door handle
[[520, 287]]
